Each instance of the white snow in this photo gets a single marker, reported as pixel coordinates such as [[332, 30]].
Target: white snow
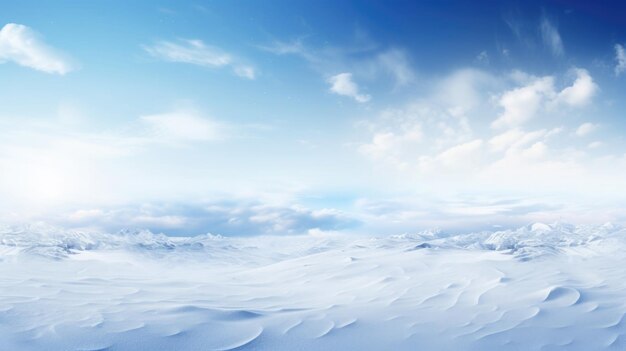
[[540, 287]]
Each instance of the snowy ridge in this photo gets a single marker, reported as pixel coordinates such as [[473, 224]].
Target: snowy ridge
[[525, 242], [534, 240], [55, 242]]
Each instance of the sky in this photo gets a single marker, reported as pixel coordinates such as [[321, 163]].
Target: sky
[[305, 117]]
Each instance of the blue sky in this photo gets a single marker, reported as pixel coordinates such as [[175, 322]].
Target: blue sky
[[249, 117]]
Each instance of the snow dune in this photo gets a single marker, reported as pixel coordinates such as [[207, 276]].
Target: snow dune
[[540, 287]]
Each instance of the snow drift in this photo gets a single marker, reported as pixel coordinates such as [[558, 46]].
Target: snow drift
[[539, 287]]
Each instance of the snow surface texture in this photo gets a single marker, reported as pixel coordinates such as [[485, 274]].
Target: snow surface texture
[[541, 287]]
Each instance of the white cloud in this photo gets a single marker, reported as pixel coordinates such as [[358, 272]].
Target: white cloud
[[196, 52], [620, 57], [22, 45], [538, 168], [516, 139], [396, 137], [454, 161], [462, 154], [524, 103], [182, 126], [585, 129], [245, 72], [551, 37], [391, 144], [463, 89], [581, 91], [595, 144], [505, 140], [535, 151], [521, 104], [342, 84], [427, 127], [381, 143]]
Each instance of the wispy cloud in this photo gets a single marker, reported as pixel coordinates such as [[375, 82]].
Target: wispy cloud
[[23, 46], [522, 31], [620, 58], [342, 84], [361, 60], [483, 57], [365, 60], [183, 125], [396, 62], [551, 37], [196, 52], [294, 47]]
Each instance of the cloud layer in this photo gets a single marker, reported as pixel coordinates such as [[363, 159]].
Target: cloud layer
[[56, 161], [450, 143], [239, 217]]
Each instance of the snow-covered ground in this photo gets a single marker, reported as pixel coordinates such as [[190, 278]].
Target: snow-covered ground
[[541, 287]]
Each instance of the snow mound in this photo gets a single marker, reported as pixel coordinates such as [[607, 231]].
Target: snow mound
[[136, 290]]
